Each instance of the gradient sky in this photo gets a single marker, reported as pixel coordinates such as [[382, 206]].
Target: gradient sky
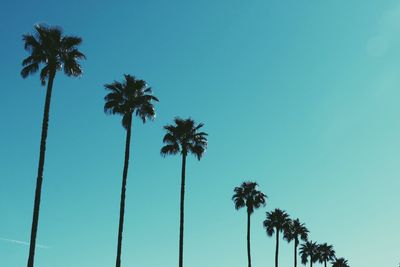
[[300, 96]]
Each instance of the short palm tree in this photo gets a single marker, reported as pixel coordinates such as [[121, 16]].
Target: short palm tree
[[247, 195], [132, 96], [340, 262], [184, 137], [277, 221], [325, 253], [297, 231], [51, 50], [309, 250]]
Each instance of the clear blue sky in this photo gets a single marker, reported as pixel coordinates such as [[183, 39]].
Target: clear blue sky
[[301, 96]]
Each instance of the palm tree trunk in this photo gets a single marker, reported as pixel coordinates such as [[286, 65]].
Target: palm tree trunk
[[182, 207], [277, 248], [123, 193], [39, 180], [325, 263], [248, 239], [295, 254]]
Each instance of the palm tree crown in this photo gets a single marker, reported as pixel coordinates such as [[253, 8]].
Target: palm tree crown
[[184, 137], [49, 47], [309, 250], [325, 253], [341, 262], [247, 195], [297, 231], [277, 220], [131, 95]]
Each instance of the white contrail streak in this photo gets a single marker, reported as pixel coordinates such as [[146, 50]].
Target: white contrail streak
[[22, 243]]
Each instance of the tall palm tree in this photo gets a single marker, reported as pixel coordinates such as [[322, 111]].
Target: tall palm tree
[[132, 96], [340, 262], [325, 253], [277, 221], [184, 137], [247, 195], [309, 250], [297, 231], [52, 51]]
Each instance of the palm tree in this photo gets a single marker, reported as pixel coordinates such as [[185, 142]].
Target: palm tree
[[184, 137], [325, 253], [132, 96], [277, 221], [340, 262], [48, 48], [309, 250], [297, 231], [247, 195]]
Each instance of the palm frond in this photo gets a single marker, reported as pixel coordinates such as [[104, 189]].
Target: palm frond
[[70, 62], [29, 60], [29, 69], [239, 202], [114, 87], [169, 138], [69, 42], [30, 43], [146, 112], [197, 150], [44, 74], [171, 149], [113, 102]]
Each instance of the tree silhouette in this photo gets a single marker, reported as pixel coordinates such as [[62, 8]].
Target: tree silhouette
[[340, 262], [132, 96], [309, 250], [50, 49], [247, 195], [277, 221], [297, 231], [325, 253], [184, 137]]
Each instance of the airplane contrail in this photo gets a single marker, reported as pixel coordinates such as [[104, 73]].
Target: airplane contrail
[[22, 242]]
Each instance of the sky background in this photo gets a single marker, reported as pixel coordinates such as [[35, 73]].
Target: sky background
[[300, 96]]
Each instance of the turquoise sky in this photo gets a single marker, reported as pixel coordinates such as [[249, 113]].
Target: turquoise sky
[[300, 96]]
